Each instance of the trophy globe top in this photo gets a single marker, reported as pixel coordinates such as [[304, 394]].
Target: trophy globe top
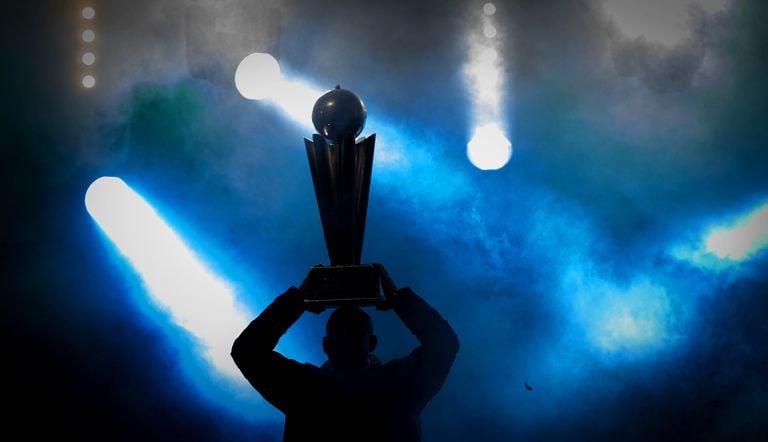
[[338, 114]]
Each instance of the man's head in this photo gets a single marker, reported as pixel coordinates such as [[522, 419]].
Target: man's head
[[349, 338]]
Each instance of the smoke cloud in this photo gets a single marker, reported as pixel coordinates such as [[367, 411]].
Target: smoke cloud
[[557, 270]]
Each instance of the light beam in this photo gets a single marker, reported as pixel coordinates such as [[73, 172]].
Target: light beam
[[175, 277], [727, 245], [489, 148], [742, 239]]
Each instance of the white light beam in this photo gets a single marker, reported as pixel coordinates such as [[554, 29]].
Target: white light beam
[[178, 281], [742, 239], [489, 148]]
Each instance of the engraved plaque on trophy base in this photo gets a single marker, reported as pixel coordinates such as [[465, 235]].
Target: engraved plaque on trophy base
[[346, 284]]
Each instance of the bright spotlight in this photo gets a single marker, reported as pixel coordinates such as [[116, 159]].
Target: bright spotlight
[[489, 149], [489, 9], [89, 81], [89, 58], [175, 277], [258, 76], [88, 35], [741, 240], [489, 30], [88, 13]]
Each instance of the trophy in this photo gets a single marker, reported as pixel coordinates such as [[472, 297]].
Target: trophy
[[341, 168]]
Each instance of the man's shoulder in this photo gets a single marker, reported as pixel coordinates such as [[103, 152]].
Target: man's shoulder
[[396, 365], [310, 368]]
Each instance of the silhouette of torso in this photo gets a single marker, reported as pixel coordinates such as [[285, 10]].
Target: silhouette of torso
[[381, 403]]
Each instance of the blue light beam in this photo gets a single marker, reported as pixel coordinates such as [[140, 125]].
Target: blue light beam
[[742, 239], [177, 280], [728, 245]]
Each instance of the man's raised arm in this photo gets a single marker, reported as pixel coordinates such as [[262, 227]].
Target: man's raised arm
[[428, 365], [276, 377]]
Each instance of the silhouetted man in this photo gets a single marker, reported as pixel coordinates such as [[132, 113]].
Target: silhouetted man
[[352, 396]]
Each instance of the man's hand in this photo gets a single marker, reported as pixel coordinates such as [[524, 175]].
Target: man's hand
[[305, 288], [387, 286]]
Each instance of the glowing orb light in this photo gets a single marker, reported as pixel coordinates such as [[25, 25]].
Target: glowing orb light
[[489, 149], [88, 13], [89, 81], [258, 76], [88, 36], [489, 30], [89, 58], [175, 277]]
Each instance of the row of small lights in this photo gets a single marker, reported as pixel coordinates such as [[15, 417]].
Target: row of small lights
[[89, 57]]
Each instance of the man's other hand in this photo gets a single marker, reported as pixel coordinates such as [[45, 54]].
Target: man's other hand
[[387, 286], [305, 288]]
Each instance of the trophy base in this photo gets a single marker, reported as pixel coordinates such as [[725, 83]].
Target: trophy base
[[344, 284]]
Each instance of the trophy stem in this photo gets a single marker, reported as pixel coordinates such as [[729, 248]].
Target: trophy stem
[[341, 174], [363, 168]]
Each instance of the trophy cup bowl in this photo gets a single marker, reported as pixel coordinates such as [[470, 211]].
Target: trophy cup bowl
[[341, 169]]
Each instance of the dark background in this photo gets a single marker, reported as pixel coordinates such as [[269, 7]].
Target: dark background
[[573, 267]]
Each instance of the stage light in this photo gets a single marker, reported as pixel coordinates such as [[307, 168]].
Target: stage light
[[741, 240], [489, 30], [489, 149], [258, 76], [89, 58], [89, 81], [88, 35], [176, 278]]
